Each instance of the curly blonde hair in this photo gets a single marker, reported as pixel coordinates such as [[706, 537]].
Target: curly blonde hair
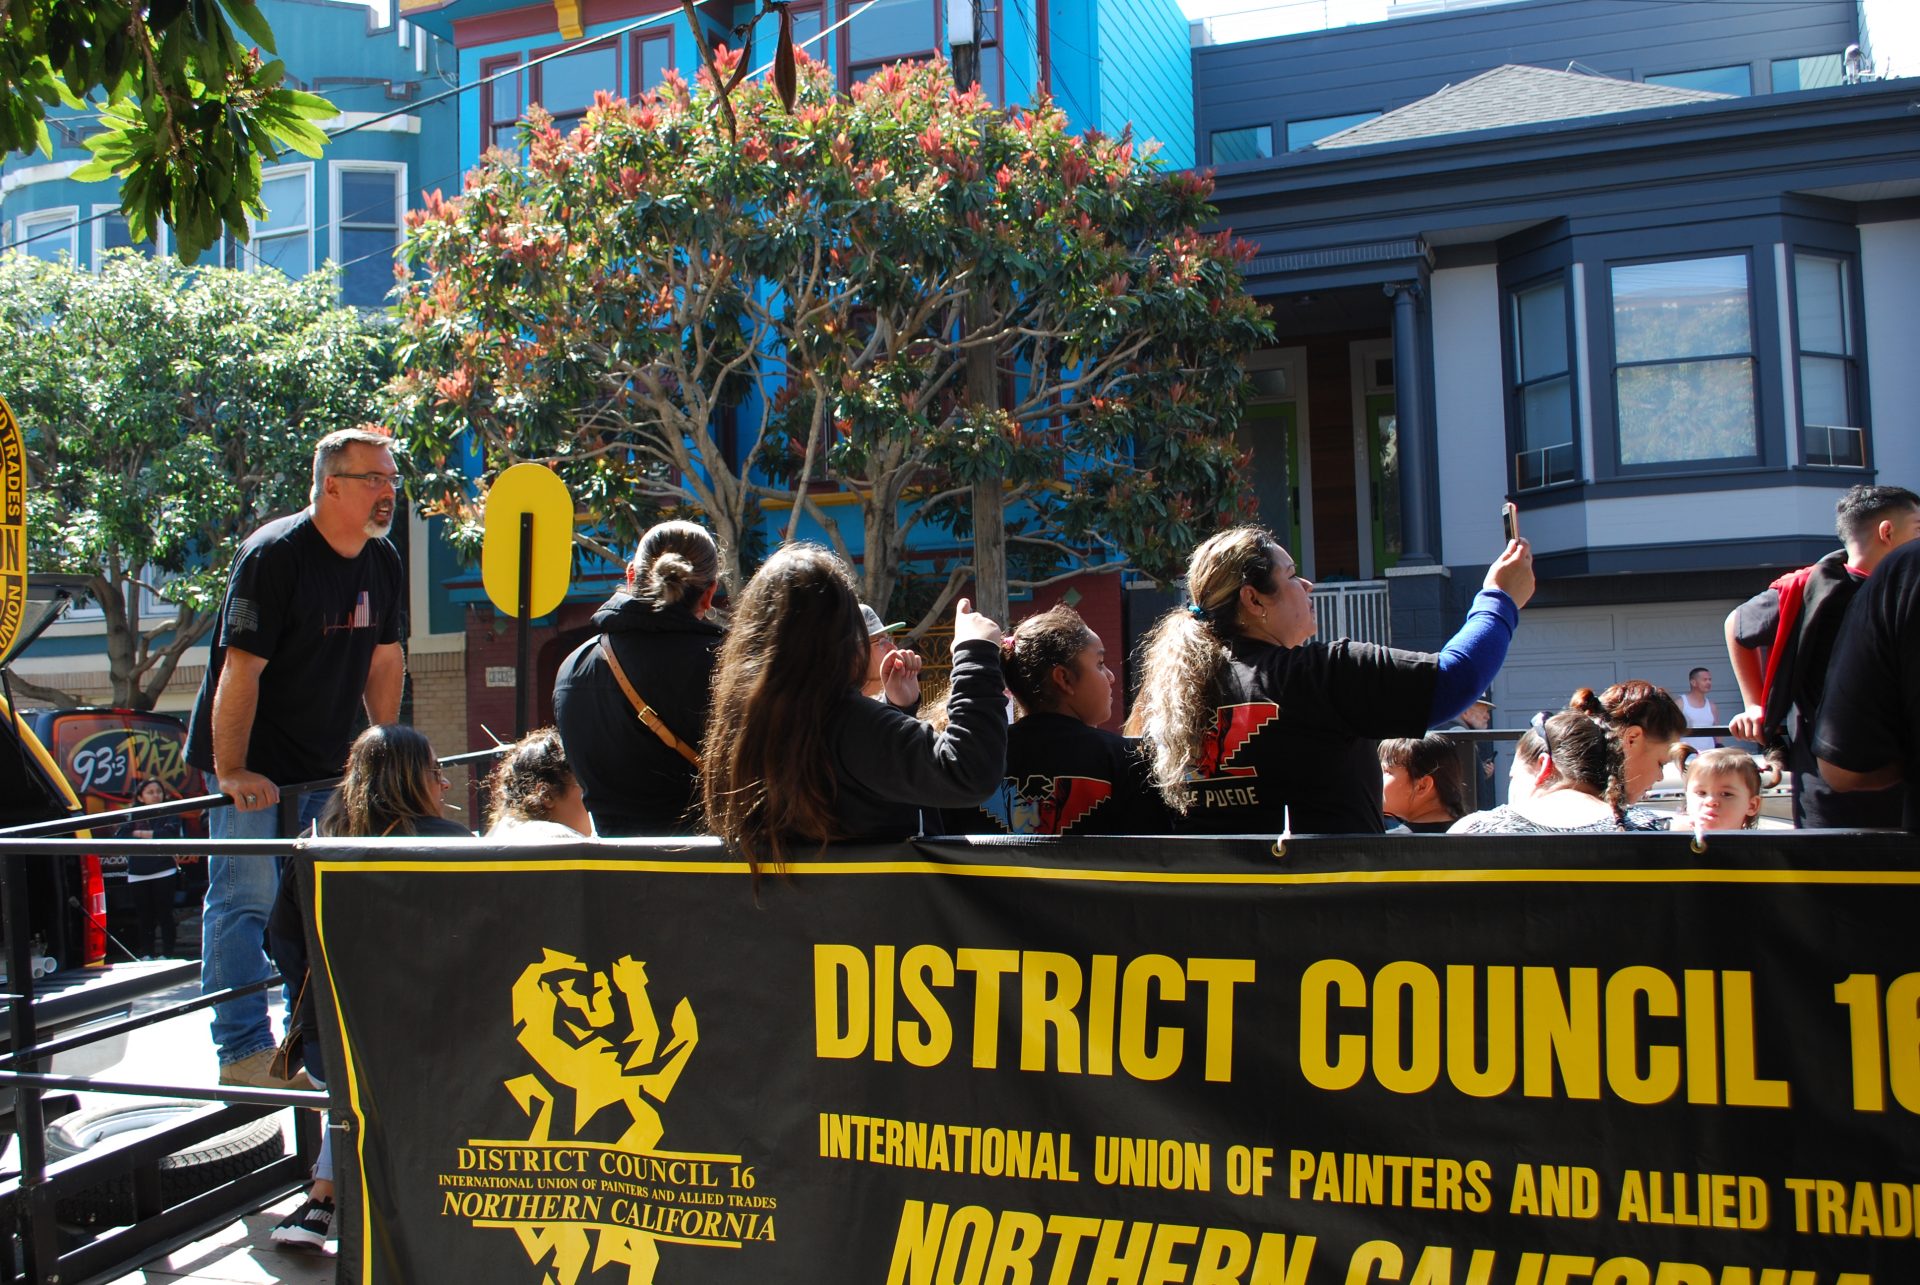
[[1186, 651]]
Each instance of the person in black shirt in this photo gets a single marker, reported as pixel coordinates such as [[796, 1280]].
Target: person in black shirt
[[1247, 719], [1868, 737], [309, 636], [1065, 773], [1781, 640], [655, 629], [796, 758], [393, 785]]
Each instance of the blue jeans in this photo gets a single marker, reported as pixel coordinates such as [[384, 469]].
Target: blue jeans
[[233, 925]]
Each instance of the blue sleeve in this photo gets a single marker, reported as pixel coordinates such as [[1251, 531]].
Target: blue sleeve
[[1473, 656]]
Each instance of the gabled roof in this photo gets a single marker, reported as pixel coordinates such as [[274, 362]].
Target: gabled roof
[[1513, 95]]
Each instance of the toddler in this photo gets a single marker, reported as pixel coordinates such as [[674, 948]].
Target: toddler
[[1723, 791]]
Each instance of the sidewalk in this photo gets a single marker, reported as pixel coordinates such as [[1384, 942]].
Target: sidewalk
[[240, 1255]]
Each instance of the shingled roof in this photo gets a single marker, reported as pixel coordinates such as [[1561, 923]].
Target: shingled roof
[[1513, 95]]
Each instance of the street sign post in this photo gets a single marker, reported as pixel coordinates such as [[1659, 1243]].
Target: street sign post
[[526, 558], [13, 529]]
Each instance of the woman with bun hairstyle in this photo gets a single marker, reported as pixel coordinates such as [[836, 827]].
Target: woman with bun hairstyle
[[796, 758], [1066, 774], [1246, 716], [1569, 777], [1649, 723], [639, 777]]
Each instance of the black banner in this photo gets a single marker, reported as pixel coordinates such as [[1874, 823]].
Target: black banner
[[1429, 1061]]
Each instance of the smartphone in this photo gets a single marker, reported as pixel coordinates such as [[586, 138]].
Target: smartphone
[[1510, 521]]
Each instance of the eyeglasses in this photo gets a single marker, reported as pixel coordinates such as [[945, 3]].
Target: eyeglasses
[[375, 481], [1539, 726]]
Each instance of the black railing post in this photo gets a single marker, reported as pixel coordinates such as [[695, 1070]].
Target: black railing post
[[41, 1250]]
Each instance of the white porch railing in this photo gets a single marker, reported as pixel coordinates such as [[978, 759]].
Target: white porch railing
[[1355, 609]]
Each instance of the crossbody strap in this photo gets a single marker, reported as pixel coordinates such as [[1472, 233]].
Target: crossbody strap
[[644, 710]]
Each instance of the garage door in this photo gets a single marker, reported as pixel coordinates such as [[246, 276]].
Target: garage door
[[1561, 649]]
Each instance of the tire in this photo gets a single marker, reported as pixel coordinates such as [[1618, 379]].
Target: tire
[[183, 1175]]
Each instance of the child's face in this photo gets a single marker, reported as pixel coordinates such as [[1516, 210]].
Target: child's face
[[1720, 801], [1396, 790], [1089, 697]]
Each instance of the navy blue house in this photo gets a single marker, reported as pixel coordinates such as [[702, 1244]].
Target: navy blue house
[[1648, 270]]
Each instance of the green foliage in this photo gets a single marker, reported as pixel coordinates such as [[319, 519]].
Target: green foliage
[[168, 412], [189, 107], [603, 304]]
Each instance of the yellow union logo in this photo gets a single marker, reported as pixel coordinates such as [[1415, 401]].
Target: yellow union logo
[[577, 1201]]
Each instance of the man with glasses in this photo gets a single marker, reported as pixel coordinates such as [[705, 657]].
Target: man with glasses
[[309, 632]]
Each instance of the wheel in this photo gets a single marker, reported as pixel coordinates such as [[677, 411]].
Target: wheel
[[183, 1175]]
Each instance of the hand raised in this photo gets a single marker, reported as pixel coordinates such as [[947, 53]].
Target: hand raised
[[969, 625]]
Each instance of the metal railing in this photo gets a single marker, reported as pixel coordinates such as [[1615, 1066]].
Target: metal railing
[[31, 1195], [1358, 610]]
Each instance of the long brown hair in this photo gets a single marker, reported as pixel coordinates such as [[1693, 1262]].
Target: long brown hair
[[387, 787], [1187, 650], [796, 647]]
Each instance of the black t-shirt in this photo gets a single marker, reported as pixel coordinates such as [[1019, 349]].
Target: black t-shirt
[[315, 617], [1300, 728], [1064, 777], [1870, 715]]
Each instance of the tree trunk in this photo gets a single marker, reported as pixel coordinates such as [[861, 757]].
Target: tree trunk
[[880, 516], [989, 500]]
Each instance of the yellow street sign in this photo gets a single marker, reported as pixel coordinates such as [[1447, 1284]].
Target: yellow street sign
[[522, 490], [13, 528]]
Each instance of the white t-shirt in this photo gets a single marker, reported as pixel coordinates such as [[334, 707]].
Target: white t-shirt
[[1700, 715]]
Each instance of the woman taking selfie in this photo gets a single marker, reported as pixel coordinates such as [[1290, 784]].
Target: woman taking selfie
[[1247, 717]]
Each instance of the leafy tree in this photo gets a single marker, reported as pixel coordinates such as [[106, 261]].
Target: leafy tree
[[189, 106], [608, 304], [167, 412]]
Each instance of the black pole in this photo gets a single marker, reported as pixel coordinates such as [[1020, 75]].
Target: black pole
[[1409, 407], [523, 662], [39, 1251]]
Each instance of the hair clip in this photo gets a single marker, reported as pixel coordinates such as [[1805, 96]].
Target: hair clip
[[1197, 611]]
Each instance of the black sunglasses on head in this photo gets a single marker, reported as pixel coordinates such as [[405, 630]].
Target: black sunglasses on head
[[1539, 726]]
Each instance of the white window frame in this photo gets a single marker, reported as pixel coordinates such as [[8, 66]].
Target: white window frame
[[30, 224], [98, 228], [249, 259], [336, 213]]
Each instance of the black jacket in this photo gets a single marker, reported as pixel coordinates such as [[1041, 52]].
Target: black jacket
[[634, 784], [888, 765], [144, 863]]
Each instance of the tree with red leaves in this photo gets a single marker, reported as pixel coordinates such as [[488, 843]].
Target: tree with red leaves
[[679, 322]]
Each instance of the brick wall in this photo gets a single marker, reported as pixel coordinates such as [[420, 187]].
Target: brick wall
[[439, 685]]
